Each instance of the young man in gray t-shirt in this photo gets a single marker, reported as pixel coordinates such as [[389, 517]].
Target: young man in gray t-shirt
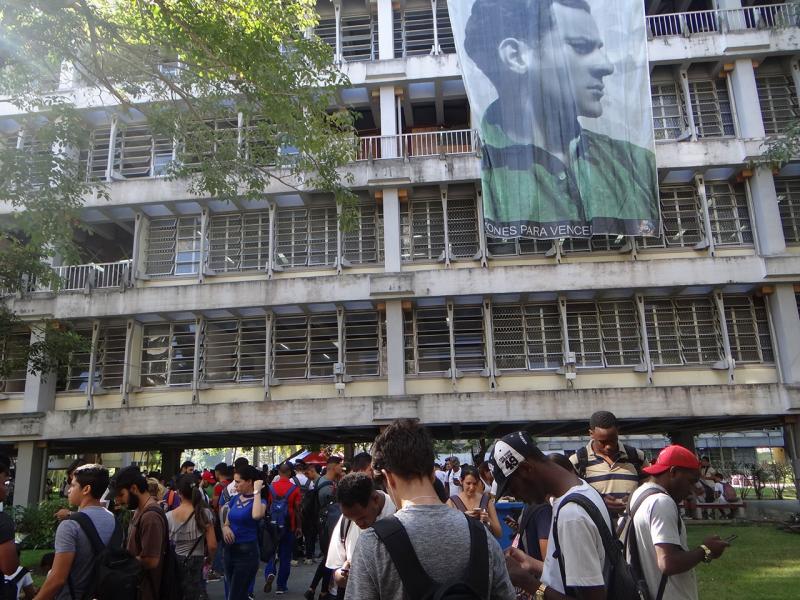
[[439, 534], [71, 575]]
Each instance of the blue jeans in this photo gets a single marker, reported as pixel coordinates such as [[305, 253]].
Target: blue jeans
[[241, 566], [285, 549]]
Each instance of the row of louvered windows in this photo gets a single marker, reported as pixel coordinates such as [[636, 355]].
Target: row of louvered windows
[[711, 108], [14, 352], [529, 337], [109, 356]]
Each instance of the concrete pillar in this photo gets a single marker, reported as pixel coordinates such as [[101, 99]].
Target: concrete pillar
[[795, 67], [141, 228], [786, 324], [727, 4], [170, 462], [745, 97], [682, 438], [791, 443], [395, 348], [766, 212], [385, 30], [391, 230], [390, 145], [30, 473], [40, 388]]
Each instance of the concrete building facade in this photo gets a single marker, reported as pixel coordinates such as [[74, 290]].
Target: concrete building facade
[[261, 321]]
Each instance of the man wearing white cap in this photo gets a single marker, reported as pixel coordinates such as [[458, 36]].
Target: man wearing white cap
[[522, 470]]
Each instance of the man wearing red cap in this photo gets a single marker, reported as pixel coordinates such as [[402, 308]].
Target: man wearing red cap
[[656, 538]]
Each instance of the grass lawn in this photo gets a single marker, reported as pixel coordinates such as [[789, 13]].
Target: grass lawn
[[762, 564]]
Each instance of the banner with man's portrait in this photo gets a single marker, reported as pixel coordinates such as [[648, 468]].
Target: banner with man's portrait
[[561, 92]]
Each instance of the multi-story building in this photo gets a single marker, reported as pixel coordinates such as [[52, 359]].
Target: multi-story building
[[216, 321]]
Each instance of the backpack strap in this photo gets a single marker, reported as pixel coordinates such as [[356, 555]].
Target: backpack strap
[[599, 522], [344, 529], [485, 502], [86, 524], [416, 582], [634, 458], [478, 576], [459, 504], [583, 461], [18, 577]]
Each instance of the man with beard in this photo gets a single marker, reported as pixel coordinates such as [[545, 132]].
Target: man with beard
[[147, 534]]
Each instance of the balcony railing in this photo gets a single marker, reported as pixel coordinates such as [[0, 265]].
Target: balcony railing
[[772, 16], [416, 145], [90, 276]]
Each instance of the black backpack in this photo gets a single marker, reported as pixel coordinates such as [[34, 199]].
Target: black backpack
[[628, 536], [171, 588], [583, 459], [417, 584], [115, 573], [621, 584], [8, 587]]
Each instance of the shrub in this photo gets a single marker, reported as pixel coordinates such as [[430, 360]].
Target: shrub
[[36, 524]]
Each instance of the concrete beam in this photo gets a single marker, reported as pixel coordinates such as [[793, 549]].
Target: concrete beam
[[522, 408]]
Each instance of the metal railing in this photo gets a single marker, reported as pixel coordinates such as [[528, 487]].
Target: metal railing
[[90, 276], [416, 145], [772, 16]]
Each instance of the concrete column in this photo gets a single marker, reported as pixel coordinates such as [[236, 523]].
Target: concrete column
[[141, 228], [170, 462], [727, 4], [385, 30], [795, 67], [395, 348], [391, 230], [766, 213], [791, 443], [682, 438], [30, 473], [40, 388], [745, 97], [390, 145], [786, 323], [133, 359]]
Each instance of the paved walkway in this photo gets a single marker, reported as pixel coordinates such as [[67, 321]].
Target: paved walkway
[[298, 583]]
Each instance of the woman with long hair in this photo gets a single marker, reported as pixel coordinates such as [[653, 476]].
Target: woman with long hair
[[191, 530], [475, 503]]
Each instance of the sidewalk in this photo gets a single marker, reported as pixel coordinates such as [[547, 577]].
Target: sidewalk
[[298, 583]]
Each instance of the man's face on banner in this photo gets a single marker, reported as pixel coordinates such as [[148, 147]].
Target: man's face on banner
[[569, 63]]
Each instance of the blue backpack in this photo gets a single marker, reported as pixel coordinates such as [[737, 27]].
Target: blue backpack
[[279, 511]]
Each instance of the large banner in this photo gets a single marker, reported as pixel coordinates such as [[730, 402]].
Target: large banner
[[561, 92]]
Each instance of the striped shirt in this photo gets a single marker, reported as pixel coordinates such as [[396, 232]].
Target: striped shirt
[[618, 479]]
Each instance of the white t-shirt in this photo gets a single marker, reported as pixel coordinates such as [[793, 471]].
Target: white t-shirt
[[22, 583], [441, 476], [656, 522], [580, 541], [451, 477], [339, 553], [719, 488], [301, 479]]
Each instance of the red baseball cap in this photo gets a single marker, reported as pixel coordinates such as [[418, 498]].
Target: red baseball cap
[[673, 456], [209, 477]]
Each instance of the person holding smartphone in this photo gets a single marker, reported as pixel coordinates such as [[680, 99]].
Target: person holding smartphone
[[472, 502], [656, 535]]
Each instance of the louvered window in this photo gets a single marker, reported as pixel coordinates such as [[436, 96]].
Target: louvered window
[[517, 246], [778, 99], [306, 236], [583, 329], [326, 31], [669, 121], [681, 218], [789, 205], [444, 29], [606, 243], [359, 33], [409, 342], [213, 139], [173, 246], [469, 341], [730, 217], [261, 142], [462, 222], [662, 332], [94, 159], [699, 330], [74, 376], [111, 355], [305, 347], [432, 339], [363, 343], [14, 351], [711, 107], [413, 32], [619, 328], [239, 242], [422, 223], [234, 350], [527, 337], [363, 244], [167, 354], [748, 329], [138, 153]]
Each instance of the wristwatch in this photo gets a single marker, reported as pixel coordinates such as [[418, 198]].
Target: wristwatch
[[707, 558], [539, 595]]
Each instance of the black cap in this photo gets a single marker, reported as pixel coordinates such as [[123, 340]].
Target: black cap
[[506, 456]]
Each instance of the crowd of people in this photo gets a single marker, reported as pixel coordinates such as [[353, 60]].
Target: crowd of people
[[390, 525]]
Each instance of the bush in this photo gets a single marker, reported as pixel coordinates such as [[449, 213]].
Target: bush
[[36, 524]]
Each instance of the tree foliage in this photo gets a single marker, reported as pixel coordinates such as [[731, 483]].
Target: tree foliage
[[193, 71]]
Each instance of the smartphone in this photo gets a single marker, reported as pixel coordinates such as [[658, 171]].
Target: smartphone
[[730, 538]]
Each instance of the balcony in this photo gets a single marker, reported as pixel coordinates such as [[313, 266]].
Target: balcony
[[687, 24], [90, 276], [417, 145]]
